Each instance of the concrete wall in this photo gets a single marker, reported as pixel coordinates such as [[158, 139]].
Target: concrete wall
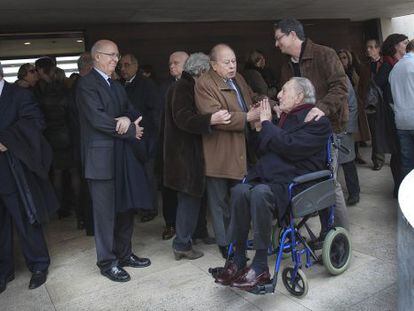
[[403, 25]]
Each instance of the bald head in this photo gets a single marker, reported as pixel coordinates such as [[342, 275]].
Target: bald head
[[223, 61], [105, 56], [176, 63]]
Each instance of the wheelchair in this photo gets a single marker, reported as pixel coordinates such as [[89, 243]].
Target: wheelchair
[[288, 241]]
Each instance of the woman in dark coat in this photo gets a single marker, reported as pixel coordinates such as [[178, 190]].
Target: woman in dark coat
[[183, 153]]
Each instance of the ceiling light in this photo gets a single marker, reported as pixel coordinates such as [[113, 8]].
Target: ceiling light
[[27, 43], [79, 41]]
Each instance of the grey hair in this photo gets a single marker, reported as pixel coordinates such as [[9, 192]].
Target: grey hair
[[306, 87], [1, 71], [196, 64]]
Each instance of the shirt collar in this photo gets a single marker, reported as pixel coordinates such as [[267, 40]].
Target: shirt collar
[[1, 85], [132, 79], [103, 74]]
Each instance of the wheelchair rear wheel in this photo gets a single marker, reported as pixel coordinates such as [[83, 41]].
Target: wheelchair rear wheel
[[337, 251], [299, 285]]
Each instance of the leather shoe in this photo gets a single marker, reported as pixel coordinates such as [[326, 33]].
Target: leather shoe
[[228, 274], [377, 167], [135, 262], [168, 233], [116, 274], [37, 279], [190, 254], [248, 279], [352, 200], [3, 282]]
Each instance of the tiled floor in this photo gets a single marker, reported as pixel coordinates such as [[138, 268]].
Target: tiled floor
[[74, 282]]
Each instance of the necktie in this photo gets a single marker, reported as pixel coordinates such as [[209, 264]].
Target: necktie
[[240, 98]]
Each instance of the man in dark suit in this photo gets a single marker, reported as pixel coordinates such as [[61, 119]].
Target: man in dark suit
[[144, 97], [26, 195], [107, 119]]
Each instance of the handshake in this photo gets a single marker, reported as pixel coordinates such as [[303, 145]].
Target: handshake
[[123, 123]]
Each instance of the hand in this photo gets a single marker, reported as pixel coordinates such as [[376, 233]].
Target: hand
[[220, 117], [122, 125], [258, 126], [253, 114], [265, 111], [314, 114], [139, 131], [3, 148], [276, 109]]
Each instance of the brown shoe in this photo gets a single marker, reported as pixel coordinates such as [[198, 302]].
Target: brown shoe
[[229, 273], [248, 280], [168, 232], [190, 254]]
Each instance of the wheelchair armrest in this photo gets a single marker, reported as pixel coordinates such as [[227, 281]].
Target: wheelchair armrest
[[312, 176]]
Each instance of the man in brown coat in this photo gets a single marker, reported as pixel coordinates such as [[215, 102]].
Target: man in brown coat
[[225, 148], [321, 65]]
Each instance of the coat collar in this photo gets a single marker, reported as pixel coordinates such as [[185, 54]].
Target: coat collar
[[307, 50], [221, 83], [100, 79]]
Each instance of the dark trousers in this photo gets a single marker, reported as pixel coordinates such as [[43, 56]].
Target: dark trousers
[[169, 205], [113, 231], [201, 230], [376, 157], [31, 237], [186, 222], [406, 138], [255, 205], [351, 178]]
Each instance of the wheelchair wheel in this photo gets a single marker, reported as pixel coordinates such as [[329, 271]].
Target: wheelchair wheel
[[299, 286], [337, 251]]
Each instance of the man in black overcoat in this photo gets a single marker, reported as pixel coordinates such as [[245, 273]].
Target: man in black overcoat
[[26, 195], [110, 135]]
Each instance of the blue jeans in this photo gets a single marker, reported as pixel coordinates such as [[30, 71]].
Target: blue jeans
[[406, 138]]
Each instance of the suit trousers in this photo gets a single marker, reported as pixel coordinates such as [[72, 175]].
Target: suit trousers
[[186, 222], [218, 199], [251, 204], [31, 237], [376, 157], [351, 178], [113, 231]]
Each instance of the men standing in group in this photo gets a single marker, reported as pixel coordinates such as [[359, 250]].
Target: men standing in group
[[106, 119], [26, 196], [402, 88], [225, 153], [321, 65], [143, 95]]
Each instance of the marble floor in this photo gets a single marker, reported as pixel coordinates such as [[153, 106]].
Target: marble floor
[[74, 281]]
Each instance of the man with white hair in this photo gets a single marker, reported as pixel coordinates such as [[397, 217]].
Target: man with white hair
[[109, 129], [290, 148]]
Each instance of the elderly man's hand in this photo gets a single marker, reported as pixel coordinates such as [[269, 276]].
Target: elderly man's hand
[[3, 148], [220, 117], [314, 114], [122, 125], [254, 113], [139, 131], [276, 109], [265, 111]]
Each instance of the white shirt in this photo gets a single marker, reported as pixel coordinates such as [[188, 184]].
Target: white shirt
[[402, 87], [1, 86], [103, 74]]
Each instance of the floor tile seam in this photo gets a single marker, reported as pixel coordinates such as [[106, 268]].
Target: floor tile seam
[[50, 297], [296, 302], [381, 259], [373, 294]]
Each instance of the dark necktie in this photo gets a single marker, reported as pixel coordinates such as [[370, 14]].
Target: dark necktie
[[240, 98]]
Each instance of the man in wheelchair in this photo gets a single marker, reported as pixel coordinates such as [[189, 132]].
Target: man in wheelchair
[[285, 150]]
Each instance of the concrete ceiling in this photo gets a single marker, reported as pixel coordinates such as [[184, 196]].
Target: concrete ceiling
[[81, 12]]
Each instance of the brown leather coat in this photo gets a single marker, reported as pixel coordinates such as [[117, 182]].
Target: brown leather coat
[[321, 65], [224, 148]]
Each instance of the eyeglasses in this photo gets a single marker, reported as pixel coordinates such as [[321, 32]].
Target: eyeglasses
[[280, 38], [111, 55]]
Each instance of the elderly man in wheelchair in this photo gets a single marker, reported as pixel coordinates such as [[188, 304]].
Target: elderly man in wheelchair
[[290, 180]]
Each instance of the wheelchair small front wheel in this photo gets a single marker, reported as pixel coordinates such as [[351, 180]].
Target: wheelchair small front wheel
[[299, 285], [337, 251]]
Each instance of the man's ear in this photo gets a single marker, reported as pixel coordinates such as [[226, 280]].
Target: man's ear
[[213, 64]]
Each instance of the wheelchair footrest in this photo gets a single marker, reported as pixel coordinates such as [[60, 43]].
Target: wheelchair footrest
[[263, 289]]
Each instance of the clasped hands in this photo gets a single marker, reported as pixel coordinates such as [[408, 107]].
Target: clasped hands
[[123, 123]]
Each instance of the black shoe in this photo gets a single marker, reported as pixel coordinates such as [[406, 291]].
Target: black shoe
[[377, 167], [352, 200], [3, 282], [148, 217], [135, 262], [37, 279], [116, 274]]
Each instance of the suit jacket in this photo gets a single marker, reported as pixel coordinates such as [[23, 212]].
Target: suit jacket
[[144, 96], [99, 105], [225, 148]]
